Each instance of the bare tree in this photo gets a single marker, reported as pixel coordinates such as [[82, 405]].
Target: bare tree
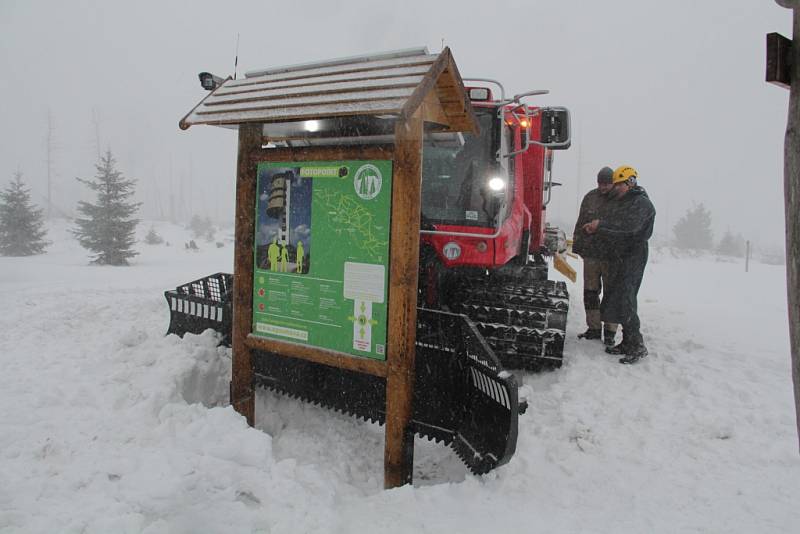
[[96, 125], [50, 148]]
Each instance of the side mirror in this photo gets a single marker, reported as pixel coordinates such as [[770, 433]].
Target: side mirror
[[555, 128], [550, 185]]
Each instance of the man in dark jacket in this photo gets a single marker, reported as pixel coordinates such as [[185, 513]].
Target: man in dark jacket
[[591, 248], [626, 224]]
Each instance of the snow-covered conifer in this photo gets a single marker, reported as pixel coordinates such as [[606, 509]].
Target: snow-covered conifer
[[153, 237], [107, 228], [22, 229]]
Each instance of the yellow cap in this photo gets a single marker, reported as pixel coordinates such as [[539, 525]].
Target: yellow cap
[[623, 174]]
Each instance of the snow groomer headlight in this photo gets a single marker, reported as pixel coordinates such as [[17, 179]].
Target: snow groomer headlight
[[497, 184]]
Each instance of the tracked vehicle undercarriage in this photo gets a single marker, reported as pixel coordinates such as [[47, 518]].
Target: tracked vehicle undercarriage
[[524, 325], [519, 312]]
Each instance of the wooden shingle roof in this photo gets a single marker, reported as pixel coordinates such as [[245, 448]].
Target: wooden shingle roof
[[391, 84]]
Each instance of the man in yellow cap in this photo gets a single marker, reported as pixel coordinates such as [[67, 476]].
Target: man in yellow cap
[[626, 224]]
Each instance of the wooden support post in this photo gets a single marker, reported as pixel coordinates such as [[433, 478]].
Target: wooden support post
[[404, 254], [242, 392], [791, 181]]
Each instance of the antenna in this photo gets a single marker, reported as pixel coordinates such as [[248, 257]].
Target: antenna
[[442, 49], [236, 58]]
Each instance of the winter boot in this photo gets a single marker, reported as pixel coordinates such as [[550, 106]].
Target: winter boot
[[634, 354], [592, 333], [621, 348], [608, 337]]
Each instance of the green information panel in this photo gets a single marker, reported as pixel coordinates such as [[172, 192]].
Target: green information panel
[[322, 253]]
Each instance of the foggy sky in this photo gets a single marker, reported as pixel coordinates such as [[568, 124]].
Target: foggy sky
[[674, 89]]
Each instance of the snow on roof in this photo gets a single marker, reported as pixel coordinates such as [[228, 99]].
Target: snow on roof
[[385, 58], [392, 83]]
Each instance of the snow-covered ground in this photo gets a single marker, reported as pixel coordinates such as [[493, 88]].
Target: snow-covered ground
[[108, 426]]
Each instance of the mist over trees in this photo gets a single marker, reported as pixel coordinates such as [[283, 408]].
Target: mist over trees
[[22, 229], [693, 230], [107, 228], [731, 245], [202, 227]]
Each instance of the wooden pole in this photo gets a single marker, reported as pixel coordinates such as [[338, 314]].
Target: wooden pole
[[242, 387], [404, 254], [791, 182], [747, 257]]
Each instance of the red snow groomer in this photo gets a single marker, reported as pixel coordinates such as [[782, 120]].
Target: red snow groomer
[[484, 299], [485, 241]]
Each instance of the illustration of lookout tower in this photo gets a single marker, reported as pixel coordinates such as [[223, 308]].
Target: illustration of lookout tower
[[278, 203]]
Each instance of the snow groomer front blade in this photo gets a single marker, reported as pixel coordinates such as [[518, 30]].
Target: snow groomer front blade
[[462, 395]]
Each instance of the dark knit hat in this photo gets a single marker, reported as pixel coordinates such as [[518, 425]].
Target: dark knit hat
[[605, 175]]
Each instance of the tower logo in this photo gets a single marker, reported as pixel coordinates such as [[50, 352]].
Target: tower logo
[[367, 181]]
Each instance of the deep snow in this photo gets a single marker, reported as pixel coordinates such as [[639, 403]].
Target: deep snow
[[106, 425]]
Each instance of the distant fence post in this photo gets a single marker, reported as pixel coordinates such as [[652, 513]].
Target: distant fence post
[[747, 257]]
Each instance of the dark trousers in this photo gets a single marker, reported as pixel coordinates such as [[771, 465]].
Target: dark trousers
[[620, 301]]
